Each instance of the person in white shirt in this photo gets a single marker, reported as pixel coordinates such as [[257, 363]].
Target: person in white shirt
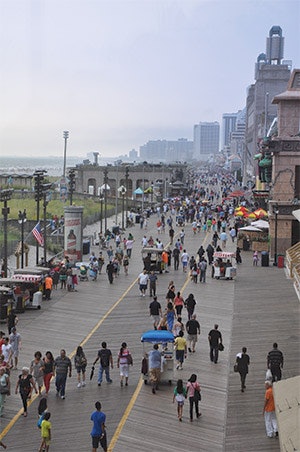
[[185, 260], [143, 279]]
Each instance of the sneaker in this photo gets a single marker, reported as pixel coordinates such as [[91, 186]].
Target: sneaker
[[99, 384], [83, 383], [79, 385], [189, 349], [110, 381], [153, 391], [63, 397]]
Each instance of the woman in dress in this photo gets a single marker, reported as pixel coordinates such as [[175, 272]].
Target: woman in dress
[[25, 384], [48, 370], [179, 395], [170, 316], [37, 370], [123, 363], [4, 387], [80, 363], [193, 393]]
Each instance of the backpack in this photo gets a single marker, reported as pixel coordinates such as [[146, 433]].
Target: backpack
[[41, 418]]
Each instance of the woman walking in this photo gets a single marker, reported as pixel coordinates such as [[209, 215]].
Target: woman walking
[[4, 388], [123, 363], [178, 303], [37, 370], [48, 370], [193, 391], [80, 363], [25, 384], [179, 395], [170, 316]]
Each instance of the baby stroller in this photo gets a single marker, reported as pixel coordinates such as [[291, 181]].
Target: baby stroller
[[83, 273]]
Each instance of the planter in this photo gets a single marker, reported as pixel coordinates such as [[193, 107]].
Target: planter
[[259, 246]]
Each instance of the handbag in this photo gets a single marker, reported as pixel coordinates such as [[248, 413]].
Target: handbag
[[4, 390], [197, 394], [129, 360], [236, 367], [221, 347]]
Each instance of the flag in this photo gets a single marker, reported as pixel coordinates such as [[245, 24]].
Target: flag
[[37, 232]]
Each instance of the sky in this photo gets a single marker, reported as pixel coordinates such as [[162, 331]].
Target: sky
[[117, 73]]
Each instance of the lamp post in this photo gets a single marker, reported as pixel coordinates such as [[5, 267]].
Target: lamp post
[[101, 209], [5, 195], [122, 190], [126, 186], [105, 199], [275, 211], [66, 136], [45, 189], [21, 220], [38, 195]]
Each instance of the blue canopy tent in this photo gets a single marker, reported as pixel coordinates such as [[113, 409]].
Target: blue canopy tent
[[157, 336]]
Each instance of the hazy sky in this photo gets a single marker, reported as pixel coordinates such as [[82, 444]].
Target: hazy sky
[[119, 73]]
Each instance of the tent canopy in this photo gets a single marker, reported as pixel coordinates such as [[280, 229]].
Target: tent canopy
[[138, 191], [260, 224], [157, 336], [250, 229]]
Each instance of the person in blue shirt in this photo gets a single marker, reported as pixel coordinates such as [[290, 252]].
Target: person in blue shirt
[[154, 367], [98, 432]]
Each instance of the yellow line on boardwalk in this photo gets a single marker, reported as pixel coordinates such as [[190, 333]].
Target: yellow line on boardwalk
[[85, 340], [125, 416]]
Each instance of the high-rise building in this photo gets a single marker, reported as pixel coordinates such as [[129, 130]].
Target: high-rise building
[[206, 140], [228, 126], [271, 78]]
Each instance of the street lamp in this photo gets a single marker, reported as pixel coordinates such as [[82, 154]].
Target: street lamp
[[105, 187], [45, 189], [126, 186], [276, 212], [5, 195], [101, 209], [66, 136], [122, 190], [38, 195], [21, 220]]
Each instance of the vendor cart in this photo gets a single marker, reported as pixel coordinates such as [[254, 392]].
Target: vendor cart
[[222, 265], [165, 340]]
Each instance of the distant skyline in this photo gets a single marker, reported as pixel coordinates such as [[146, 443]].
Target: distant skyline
[[116, 74]]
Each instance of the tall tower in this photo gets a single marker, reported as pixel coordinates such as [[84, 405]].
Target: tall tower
[[275, 44]]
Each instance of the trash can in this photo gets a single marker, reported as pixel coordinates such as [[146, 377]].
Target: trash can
[[264, 259], [280, 261], [20, 307], [137, 219], [86, 247], [246, 245]]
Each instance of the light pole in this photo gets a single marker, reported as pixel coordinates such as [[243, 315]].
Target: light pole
[[38, 195], [5, 195], [122, 190], [126, 186], [101, 209], [21, 220], [66, 136], [275, 211], [45, 189], [105, 199]]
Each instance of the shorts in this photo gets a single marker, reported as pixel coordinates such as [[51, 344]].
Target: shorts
[[143, 287], [124, 370], [156, 318], [192, 337], [180, 356], [154, 375], [46, 440], [80, 369], [99, 439]]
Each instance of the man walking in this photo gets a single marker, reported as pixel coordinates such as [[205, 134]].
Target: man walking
[[62, 364], [176, 254], [98, 432], [214, 339], [275, 362], [48, 287], [155, 312], [152, 281], [202, 268], [15, 342], [243, 361], [269, 411], [185, 260], [193, 329], [106, 361], [154, 367], [143, 282]]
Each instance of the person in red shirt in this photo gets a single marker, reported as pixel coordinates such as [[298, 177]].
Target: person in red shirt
[[269, 411], [2, 335]]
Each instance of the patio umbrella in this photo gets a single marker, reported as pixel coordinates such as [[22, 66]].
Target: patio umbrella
[[252, 215], [250, 228], [138, 191], [260, 224], [239, 213], [260, 213]]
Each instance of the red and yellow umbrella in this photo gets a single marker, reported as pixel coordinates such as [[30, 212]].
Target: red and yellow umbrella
[[260, 213]]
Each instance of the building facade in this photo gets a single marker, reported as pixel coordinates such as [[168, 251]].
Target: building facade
[[168, 151], [271, 78], [206, 140]]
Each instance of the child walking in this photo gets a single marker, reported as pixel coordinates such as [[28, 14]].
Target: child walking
[[179, 395], [45, 433]]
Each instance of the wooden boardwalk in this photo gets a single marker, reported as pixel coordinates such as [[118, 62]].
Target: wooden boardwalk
[[255, 310]]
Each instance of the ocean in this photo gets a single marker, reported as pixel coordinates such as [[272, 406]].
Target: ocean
[[27, 165]]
